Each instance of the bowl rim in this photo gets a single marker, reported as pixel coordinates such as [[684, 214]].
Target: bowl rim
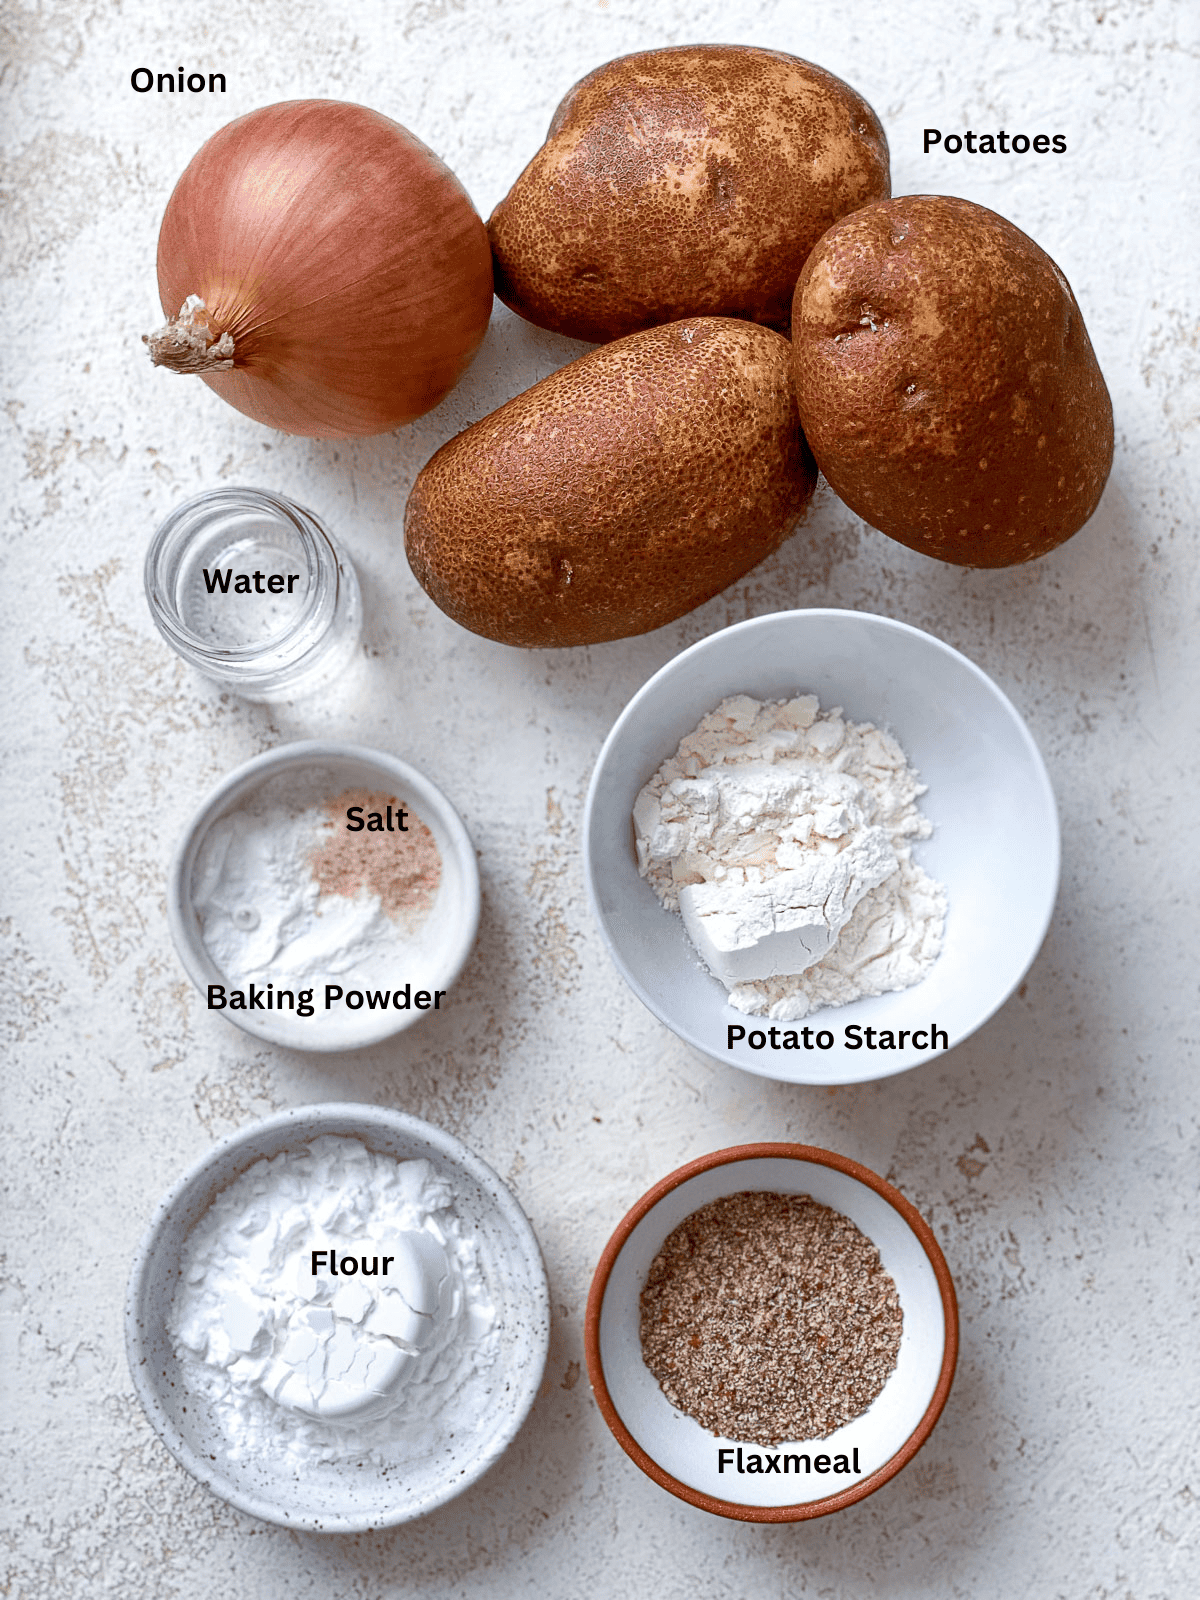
[[909, 1058], [454, 1151], [806, 1510], [195, 959]]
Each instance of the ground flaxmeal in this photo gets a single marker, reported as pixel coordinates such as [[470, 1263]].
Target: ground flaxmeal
[[769, 1317]]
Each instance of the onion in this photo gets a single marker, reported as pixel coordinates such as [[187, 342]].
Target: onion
[[322, 270]]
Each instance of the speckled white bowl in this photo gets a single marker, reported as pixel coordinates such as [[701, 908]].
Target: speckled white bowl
[[995, 843], [676, 1451], [451, 926], [335, 1498]]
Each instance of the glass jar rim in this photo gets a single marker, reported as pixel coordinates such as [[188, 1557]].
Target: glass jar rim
[[314, 541]]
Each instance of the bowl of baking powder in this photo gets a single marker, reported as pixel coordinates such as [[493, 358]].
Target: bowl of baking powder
[[821, 846], [772, 1332], [324, 897], [338, 1318]]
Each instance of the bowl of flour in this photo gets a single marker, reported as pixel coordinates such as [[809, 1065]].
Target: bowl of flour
[[324, 897], [338, 1318], [821, 846]]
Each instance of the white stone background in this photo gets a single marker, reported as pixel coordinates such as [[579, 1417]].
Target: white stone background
[[1054, 1152]]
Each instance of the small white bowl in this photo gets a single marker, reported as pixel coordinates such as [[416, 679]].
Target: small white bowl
[[995, 844], [333, 1497], [685, 1458], [448, 932]]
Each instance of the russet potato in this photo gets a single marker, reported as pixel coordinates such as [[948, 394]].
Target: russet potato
[[683, 182], [618, 493], [946, 382]]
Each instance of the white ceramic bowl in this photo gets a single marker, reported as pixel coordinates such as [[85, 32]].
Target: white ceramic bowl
[[446, 936], [342, 1498], [676, 1451], [995, 844]]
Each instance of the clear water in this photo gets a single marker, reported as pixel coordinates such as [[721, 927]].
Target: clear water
[[243, 544]]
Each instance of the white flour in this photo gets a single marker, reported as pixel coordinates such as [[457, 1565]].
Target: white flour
[[306, 1367], [784, 834]]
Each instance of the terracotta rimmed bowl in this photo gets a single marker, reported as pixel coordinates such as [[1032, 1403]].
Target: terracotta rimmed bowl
[[343, 1496], [684, 1458], [316, 769], [995, 843]]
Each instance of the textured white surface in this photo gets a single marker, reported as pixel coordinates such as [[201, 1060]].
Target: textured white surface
[[1054, 1152]]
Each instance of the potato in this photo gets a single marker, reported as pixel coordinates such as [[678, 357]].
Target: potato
[[683, 182], [619, 492], [946, 382]]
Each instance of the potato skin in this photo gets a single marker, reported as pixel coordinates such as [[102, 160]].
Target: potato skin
[[946, 382], [618, 493], [692, 181]]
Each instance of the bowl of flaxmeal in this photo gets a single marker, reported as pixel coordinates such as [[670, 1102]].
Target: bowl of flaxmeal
[[772, 1332]]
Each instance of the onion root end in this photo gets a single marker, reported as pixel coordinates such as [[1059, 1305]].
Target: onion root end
[[187, 342]]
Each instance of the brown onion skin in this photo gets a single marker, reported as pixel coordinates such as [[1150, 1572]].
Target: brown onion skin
[[345, 260]]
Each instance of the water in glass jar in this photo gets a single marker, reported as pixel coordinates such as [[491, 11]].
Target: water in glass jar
[[224, 591]]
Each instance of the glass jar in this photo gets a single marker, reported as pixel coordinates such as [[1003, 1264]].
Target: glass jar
[[251, 590]]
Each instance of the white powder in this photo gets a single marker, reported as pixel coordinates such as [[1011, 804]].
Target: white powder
[[265, 919], [784, 835], [305, 1368], [262, 912]]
